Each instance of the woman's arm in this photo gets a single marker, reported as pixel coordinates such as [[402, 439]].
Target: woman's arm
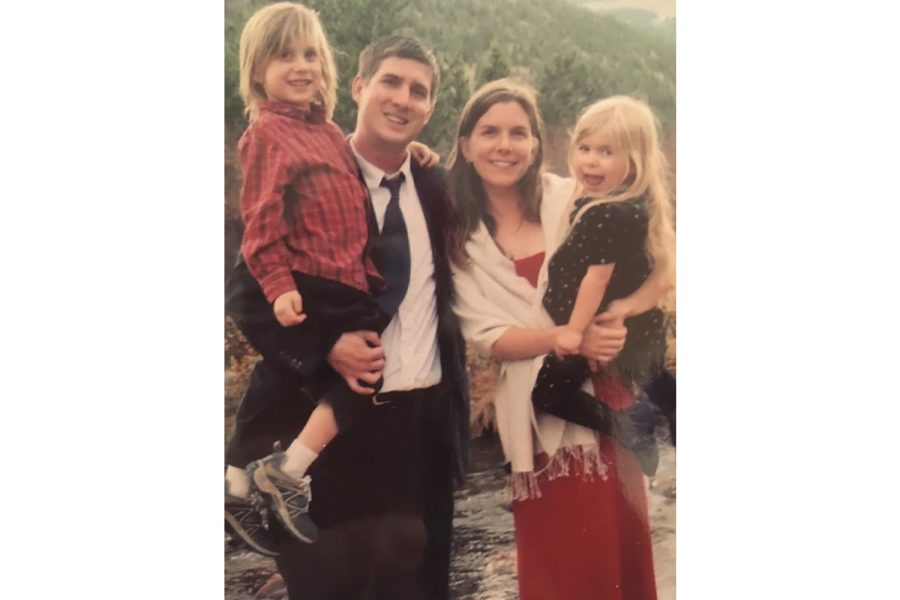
[[605, 337], [518, 343], [645, 298], [425, 156]]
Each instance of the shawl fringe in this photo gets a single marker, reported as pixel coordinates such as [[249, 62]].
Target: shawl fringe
[[524, 485]]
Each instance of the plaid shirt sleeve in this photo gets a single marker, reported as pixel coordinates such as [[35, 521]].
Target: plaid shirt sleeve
[[265, 175]]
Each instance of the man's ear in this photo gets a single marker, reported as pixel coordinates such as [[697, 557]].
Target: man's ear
[[356, 88]]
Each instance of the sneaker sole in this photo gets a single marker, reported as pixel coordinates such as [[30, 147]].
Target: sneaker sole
[[234, 527], [267, 487]]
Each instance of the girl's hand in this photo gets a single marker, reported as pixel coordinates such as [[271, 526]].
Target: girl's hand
[[567, 342], [425, 156], [288, 308]]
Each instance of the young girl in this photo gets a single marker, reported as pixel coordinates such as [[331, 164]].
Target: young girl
[[306, 271], [619, 231]]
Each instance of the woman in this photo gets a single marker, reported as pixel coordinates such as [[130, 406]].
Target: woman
[[579, 503]]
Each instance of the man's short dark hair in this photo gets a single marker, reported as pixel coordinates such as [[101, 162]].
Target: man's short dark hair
[[398, 46]]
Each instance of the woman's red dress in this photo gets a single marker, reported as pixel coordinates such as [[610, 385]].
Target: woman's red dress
[[585, 538]]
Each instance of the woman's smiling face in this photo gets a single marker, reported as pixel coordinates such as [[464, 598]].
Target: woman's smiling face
[[501, 146]]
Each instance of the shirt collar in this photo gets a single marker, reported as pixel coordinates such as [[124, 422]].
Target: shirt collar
[[314, 114], [373, 175]]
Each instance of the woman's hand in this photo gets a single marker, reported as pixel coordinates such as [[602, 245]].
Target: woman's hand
[[617, 311], [603, 339], [425, 156]]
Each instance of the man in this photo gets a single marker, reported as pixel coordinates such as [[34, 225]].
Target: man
[[383, 491]]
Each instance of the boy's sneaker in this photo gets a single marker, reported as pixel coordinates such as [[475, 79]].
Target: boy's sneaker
[[288, 498], [245, 519]]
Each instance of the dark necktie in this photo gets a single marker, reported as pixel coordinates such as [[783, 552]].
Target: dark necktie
[[390, 250]]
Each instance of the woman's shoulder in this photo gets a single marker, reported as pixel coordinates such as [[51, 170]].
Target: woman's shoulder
[[556, 188], [555, 196]]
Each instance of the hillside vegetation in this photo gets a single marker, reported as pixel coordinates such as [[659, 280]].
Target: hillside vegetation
[[570, 54]]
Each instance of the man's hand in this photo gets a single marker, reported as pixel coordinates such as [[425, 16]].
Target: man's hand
[[288, 308], [358, 357], [603, 340]]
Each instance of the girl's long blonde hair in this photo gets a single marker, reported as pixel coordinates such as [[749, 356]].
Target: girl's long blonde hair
[[633, 126], [272, 30]]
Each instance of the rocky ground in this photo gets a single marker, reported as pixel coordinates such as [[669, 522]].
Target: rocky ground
[[484, 555]]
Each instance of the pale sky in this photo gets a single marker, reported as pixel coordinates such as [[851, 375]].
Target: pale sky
[[664, 8]]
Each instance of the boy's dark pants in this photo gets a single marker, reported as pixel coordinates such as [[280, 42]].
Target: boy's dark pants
[[294, 375]]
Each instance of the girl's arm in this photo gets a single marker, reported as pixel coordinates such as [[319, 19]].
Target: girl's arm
[[590, 295]]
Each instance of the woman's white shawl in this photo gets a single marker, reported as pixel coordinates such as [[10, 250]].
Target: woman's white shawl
[[490, 298]]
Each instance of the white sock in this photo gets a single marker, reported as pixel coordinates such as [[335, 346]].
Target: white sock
[[299, 457], [237, 482]]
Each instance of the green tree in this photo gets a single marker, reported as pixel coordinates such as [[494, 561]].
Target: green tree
[[491, 38], [497, 66], [452, 96], [566, 85], [349, 26]]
